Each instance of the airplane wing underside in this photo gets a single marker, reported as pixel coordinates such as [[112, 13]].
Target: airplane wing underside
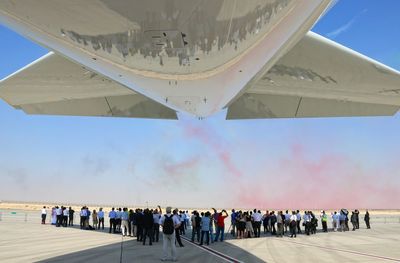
[[320, 78], [56, 86], [193, 56]]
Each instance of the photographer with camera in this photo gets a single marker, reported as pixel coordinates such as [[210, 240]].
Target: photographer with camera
[[221, 225]]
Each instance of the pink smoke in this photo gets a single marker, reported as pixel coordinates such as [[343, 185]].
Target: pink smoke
[[329, 181], [299, 179], [178, 169], [202, 133]]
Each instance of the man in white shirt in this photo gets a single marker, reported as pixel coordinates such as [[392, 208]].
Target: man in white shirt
[[156, 217], [257, 217], [82, 214], [169, 224], [65, 216], [59, 216], [178, 229], [287, 221], [187, 217], [44, 214], [182, 218], [298, 214]]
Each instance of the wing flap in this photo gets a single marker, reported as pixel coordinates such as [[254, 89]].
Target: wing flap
[[311, 107], [82, 107], [261, 106]]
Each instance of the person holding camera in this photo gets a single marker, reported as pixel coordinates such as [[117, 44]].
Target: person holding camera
[[221, 225]]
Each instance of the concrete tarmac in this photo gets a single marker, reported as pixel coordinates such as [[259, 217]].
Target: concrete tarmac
[[32, 242]]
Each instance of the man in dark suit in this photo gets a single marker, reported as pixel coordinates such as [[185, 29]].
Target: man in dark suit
[[366, 219]]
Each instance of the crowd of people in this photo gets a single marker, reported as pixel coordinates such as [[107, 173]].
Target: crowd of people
[[248, 224], [60, 216], [206, 227]]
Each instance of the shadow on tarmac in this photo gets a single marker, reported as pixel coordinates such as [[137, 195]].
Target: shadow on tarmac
[[130, 250]]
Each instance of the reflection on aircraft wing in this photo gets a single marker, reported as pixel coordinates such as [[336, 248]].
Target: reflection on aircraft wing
[[57, 86], [320, 78]]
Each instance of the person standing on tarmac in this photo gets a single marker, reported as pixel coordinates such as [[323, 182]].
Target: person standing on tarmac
[[71, 216], [196, 226], [314, 223], [177, 228], [148, 225], [156, 218], [221, 225], [257, 218], [279, 223], [169, 224], [335, 219], [353, 220], [298, 215], [272, 220], [286, 222], [139, 221], [357, 213], [293, 224], [44, 214], [112, 214], [366, 219], [233, 222], [125, 222], [324, 221]]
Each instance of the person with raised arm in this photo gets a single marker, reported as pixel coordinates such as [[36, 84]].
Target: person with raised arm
[[221, 225]]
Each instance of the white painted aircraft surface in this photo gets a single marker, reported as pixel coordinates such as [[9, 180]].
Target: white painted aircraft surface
[[155, 58]]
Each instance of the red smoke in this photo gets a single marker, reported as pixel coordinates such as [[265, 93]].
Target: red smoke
[[329, 181], [216, 144], [303, 178]]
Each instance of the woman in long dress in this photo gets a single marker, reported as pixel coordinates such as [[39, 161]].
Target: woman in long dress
[[53, 216]]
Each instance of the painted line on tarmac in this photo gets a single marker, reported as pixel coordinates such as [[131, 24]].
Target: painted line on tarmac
[[343, 250], [213, 252]]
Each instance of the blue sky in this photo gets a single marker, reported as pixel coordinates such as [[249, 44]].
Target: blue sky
[[201, 163]]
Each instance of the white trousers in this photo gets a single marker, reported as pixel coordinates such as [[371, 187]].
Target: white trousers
[[169, 240], [334, 224], [124, 227]]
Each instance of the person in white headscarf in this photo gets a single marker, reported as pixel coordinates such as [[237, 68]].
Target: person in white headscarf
[[53, 216]]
